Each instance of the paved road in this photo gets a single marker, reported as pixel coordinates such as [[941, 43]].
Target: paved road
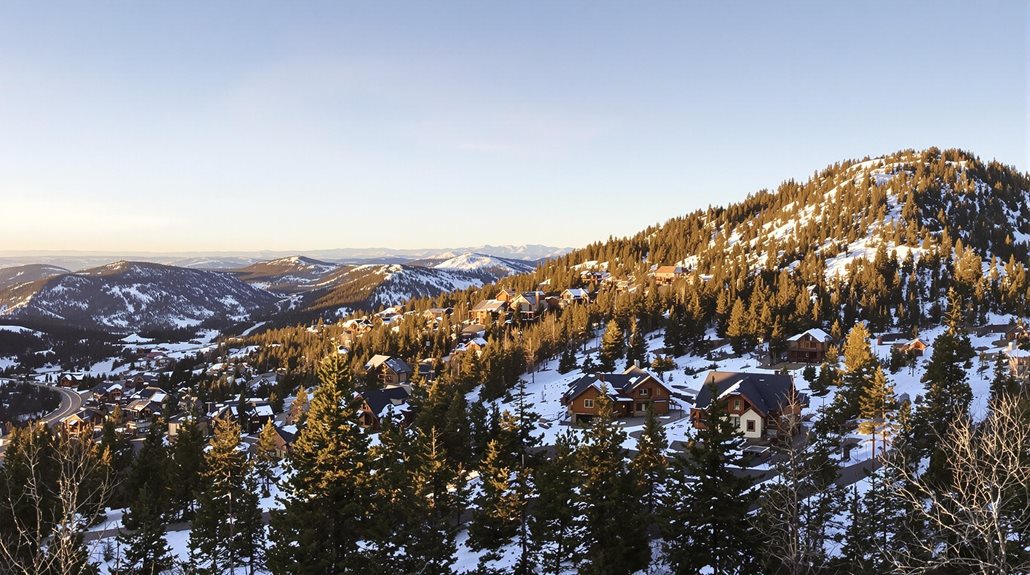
[[71, 402]]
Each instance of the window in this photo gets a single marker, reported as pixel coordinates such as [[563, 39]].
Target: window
[[751, 425], [736, 405], [644, 392], [588, 403], [736, 421]]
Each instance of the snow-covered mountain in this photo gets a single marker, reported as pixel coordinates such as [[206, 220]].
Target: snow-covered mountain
[[473, 262], [372, 286], [135, 296], [19, 275], [288, 275]]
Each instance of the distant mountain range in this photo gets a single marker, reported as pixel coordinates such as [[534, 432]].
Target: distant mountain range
[[132, 296], [76, 261]]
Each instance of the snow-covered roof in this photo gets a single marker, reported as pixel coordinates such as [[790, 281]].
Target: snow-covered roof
[[816, 334]]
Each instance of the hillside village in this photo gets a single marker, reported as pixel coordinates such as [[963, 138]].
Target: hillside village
[[778, 346]]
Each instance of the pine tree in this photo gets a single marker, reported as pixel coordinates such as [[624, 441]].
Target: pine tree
[[877, 407], [707, 503], [614, 530], [650, 464], [636, 353], [948, 394], [325, 500], [498, 509], [737, 328], [613, 347], [859, 366], [299, 407], [265, 460], [143, 536], [555, 528], [436, 498], [567, 362], [187, 465], [222, 532]]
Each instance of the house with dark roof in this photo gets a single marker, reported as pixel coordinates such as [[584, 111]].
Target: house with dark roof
[[755, 402], [808, 347], [630, 393], [376, 404], [529, 305], [389, 370], [573, 296]]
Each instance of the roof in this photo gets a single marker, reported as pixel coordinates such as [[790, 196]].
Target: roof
[[576, 292], [767, 392], [395, 364], [490, 305], [379, 399], [669, 270], [474, 328], [816, 333], [1017, 353], [616, 383]]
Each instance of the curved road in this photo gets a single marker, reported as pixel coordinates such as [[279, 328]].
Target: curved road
[[71, 402]]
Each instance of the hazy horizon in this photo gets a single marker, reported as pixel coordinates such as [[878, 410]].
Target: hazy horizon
[[222, 128]]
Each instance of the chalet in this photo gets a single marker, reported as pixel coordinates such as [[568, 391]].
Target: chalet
[[665, 275], [572, 296], [915, 348], [107, 391], [437, 313], [377, 404], [176, 424], [756, 402], [808, 347], [71, 379], [891, 338], [1019, 362], [1017, 333], [529, 305], [389, 370], [488, 311], [283, 440], [83, 422], [473, 331], [506, 295], [475, 345], [630, 393]]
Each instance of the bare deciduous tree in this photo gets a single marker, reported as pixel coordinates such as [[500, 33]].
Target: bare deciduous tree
[[980, 523], [63, 487]]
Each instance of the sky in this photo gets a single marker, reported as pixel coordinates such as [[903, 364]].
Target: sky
[[250, 125]]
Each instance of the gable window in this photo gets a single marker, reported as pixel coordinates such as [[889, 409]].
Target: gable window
[[645, 392], [736, 405], [588, 403]]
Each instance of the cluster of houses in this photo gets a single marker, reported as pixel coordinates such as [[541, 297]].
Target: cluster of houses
[[757, 404]]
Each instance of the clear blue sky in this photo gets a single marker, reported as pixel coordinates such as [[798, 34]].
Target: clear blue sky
[[301, 125]]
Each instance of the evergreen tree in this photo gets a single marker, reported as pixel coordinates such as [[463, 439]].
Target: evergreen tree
[[143, 536], [738, 328], [265, 460], [187, 465], [613, 347], [877, 407], [650, 464], [555, 528], [948, 394], [614, 528], [707, 503], [222, 535], [636, 353], [567, 362], [325, 500], [498, 508]]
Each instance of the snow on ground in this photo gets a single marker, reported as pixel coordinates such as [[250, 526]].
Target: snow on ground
[[19, 329]]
